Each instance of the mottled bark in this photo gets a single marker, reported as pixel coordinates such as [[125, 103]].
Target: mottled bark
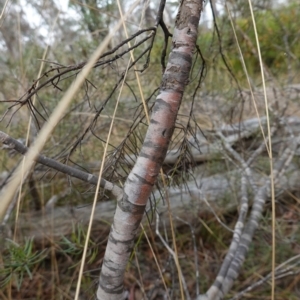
[[243, 236], [140, 182]]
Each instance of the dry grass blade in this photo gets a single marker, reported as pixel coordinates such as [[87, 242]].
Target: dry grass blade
[[213, 194], [270, 152], [101, 167], [3, 9], [7, 193], [30, 120]]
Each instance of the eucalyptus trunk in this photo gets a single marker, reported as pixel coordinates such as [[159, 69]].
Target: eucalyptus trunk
[[139, 184]]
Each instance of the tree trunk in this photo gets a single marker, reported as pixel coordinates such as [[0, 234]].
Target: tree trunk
[[140, 182]]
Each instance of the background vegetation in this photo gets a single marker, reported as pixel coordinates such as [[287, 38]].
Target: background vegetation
[[40, 35]]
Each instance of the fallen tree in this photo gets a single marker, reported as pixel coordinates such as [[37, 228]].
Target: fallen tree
[[199, 194], [218, 193]]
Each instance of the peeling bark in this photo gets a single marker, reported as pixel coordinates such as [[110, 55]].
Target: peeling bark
[[140, 182], [243, 237]]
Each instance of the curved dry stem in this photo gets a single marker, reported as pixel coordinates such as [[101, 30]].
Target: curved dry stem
[[225, 280], [7, 194]]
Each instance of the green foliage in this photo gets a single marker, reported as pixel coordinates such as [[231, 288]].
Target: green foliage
[[279, 35], [279, 40], [96, 15], [74, 246], [18, 261]]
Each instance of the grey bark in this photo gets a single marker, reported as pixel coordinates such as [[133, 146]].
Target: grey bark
[[140, 182]]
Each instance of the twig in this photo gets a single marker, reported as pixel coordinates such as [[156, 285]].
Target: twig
[[238, 230], [51, 163], [280, 272], [195, 252], [187, 295], [223, 283], [237, 157]]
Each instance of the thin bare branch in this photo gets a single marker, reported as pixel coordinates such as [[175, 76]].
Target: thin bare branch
[[51, 163]]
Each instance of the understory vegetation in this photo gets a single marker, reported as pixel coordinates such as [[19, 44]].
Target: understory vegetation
[[222, 127]]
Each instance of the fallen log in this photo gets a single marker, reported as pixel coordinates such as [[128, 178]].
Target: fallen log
[[219, 193], [205, 193]]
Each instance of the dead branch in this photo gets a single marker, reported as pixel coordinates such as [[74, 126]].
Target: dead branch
[[60, 221], [11, 143], [191, 198]]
